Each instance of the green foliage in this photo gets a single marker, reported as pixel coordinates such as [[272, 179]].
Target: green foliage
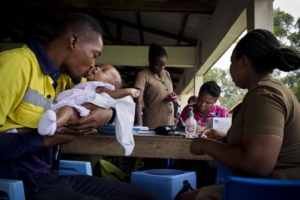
[[292, 80], [283, 23], [287, 31], [230, 92]]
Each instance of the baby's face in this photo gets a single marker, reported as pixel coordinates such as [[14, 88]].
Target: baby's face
[[104, 73]]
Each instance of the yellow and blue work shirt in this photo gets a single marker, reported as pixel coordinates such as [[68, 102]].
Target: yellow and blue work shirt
[[26, 86]]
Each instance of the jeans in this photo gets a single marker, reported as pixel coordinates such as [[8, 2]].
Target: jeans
[[54, 186]]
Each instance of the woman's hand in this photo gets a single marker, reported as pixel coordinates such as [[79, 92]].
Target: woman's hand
[[171, 97], [214, 134], [173, 94], [195, 147], [200, 129], [97, 117]]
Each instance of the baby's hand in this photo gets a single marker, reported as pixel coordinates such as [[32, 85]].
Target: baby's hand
[[134, 93]]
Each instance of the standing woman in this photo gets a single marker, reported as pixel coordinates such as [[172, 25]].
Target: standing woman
[[156, 88]]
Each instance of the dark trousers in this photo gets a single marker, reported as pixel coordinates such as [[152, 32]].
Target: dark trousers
[[53, 186]]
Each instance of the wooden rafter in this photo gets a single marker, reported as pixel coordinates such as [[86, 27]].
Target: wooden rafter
[[106, 29], [139, 23], [182, 27], [190, 6], [150, 30], [119, 33]]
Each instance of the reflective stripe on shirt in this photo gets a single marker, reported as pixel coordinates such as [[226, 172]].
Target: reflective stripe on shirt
[[35, 98]]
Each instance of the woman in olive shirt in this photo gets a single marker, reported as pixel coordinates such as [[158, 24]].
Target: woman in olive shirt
[[155, 86], [264, 138]]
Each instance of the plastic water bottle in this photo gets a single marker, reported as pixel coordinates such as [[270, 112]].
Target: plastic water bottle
[[190, 125]]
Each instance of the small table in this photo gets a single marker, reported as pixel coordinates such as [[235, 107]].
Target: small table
[[146, 146]]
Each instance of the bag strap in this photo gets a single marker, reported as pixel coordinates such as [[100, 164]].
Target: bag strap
[[186, 187]]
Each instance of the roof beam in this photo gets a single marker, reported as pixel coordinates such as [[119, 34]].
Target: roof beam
[[119, 33], [139, 22], [133, 56], [190, 6], [106, 29], [182, 27], [150, 30]]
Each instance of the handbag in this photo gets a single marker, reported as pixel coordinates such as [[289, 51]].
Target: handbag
[[170, 130], [164, 130]]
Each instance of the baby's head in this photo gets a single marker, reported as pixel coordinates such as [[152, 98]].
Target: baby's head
[[105, 73]]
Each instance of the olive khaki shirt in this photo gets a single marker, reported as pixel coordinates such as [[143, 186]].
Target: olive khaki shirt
[[158, 111], [270, 107]]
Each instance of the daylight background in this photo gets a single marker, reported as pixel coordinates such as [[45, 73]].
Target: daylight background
[[231, 95], [289, 6]]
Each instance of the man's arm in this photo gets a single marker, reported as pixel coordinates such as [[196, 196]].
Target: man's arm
[[97, 117], [14, 145], [12, 77]]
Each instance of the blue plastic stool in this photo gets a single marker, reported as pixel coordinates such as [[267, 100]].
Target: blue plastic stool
[[237, 188], [70, 167], [13, 188], [164, 184]]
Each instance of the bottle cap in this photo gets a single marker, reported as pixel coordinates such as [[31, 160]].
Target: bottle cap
[[191, 113]]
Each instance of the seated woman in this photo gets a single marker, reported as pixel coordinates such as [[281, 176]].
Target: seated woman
[[205, 106], [264, 138]]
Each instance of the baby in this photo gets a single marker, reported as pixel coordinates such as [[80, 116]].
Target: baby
[[101, 89]]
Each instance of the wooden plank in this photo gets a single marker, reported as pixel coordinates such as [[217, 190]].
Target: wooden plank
[[174, 147], [190, 6], [148, 29]]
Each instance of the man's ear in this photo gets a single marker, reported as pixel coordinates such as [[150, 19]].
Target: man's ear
[[73, 42]]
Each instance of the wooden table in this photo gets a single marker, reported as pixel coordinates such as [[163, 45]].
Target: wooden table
[[146, 146]]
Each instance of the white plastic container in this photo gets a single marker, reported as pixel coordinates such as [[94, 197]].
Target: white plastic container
[[190, 125], [219, 123]]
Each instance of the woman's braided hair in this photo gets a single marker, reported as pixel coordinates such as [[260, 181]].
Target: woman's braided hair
[[265, 52]]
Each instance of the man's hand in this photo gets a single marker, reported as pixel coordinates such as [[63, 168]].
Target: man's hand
[[59, 138], [89, 106], [97, 117]]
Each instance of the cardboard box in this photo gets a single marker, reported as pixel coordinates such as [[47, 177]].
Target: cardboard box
[[219, 123], [164, 184]]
